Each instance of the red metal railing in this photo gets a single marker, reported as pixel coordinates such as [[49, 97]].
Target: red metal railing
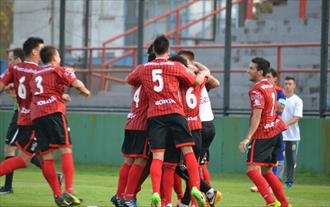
[[107, 74]]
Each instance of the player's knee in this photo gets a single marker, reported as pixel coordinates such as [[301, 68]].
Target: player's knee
[[129, 161], [140, 161], [186, 149], [9, 150], [66, 150]]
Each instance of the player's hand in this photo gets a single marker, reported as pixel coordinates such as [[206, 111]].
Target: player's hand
[[66, 97], [243, 145], [86, 93]]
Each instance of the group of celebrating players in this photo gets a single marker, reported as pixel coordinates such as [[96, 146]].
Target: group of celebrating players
[[168, 131], [41, 122], [165, 116]]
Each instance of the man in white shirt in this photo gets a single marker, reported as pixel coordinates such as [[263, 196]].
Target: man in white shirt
[[293, 111]]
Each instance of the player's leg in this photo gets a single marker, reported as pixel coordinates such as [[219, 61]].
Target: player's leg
[[255, 157], [9, 153], [133, 181], [157, 133], [291, 157]]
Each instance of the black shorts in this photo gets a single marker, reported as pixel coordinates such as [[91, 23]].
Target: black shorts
[[135, 144], [12, 130], [52, 132], [161, 126], [198, 143], [173, 155], [263, 152], [208, 134], [26, 140]]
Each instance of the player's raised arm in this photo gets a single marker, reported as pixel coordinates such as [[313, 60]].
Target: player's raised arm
[[134, 78], [212, 82]]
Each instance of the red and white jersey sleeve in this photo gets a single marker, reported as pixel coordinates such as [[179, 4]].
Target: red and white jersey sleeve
[[264, 96], [137, 118], [134, 77], [47, 87]]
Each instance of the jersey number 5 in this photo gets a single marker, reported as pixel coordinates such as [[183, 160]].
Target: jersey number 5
[[157, 77]]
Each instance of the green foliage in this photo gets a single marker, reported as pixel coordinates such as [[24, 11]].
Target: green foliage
[[97, 183], [6, 25]]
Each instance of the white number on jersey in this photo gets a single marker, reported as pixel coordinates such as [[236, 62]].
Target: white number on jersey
[[191, 99], [21, 88], [157, 77], [38, 80], [136, 96], [273, 104]]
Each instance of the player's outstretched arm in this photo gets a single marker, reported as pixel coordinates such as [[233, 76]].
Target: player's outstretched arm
[[2, 87], [81, 87]]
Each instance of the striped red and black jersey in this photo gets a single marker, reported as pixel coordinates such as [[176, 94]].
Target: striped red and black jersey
[[47, 87], [264, 96], [137, 118], [191, 99], [20, 74], [160, 79]]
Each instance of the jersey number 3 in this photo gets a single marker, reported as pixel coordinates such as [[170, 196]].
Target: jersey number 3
[[38, 81]]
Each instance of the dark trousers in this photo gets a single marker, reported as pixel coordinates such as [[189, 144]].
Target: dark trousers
[[291, 151]]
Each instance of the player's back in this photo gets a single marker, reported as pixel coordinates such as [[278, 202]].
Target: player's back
[[191, 98], [47, 87], [161, 79], [20, 74], [137, 118]]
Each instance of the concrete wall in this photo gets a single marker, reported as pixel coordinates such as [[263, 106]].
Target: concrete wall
[[97, 138]]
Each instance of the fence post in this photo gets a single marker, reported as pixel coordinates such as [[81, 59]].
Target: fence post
[[302, 9], [279, 64], [249, 10]]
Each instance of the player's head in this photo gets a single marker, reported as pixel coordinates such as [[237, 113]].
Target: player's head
[[180, 59], [258, 68], [32, 47], [272, 76], [187, 54], [15, 56], [289, 84], [50, 55], [161, 46], [151, 53]]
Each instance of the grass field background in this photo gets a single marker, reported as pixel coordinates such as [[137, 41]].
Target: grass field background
[[97, 183]]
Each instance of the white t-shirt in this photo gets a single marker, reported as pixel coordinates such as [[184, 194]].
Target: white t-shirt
[[205, 108], [293, 107]]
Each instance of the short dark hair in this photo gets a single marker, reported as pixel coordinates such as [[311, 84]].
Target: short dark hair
[[30, 44], [262, 65], [188, 53], [161, 45], [18, 53], [273, 72], [290, 78], [47, 53], [151, 53], [180, 59]]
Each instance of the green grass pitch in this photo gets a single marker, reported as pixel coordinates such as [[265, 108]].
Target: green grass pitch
[[97, 183]]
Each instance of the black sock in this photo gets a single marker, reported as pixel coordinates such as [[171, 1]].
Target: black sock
[[9, 177], [186, 197], [36, 161], [204, 186]]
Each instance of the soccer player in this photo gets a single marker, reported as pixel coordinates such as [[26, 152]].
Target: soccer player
[[49, 122], [14, 56], [281, 100], [263, 135], [20, 75], [206, 116], [292, 113], [134, 149], [160, 79]]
